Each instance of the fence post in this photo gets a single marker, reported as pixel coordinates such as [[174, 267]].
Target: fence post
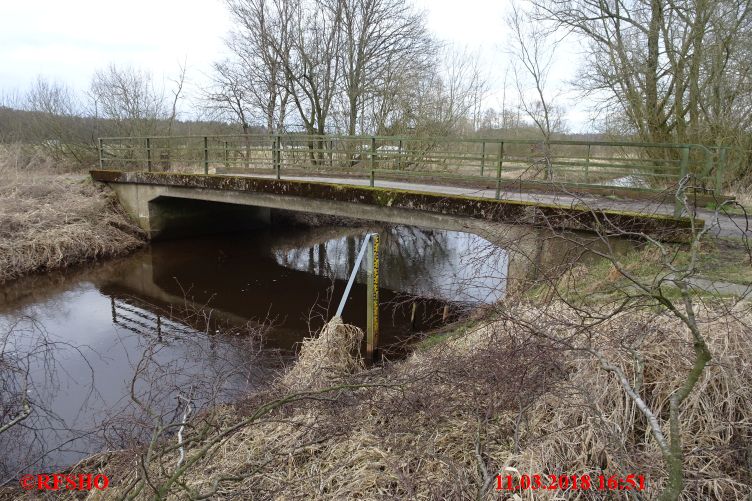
[[719, 170], [227, 156], [101, 154], [331, 151], [683, 170], [274, 153], [587, 165], [498, 169], [373, 178], [482, 158], [372, 289], [148, 154], [277, 155], [399, 155], [373, 153], [206, 155]]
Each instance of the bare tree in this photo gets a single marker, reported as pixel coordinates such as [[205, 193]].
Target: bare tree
[[342, 59], [679, 69], [56, 108], [254, 77], [177, 95], [128, 97], [534, 49], [379, 37], [442, 98]]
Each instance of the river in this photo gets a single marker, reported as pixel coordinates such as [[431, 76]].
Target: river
[[106, 350]]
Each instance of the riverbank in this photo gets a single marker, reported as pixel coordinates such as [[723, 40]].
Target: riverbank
[[50, 221], [443, 423]]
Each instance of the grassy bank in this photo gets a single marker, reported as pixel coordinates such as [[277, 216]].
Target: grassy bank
[[50, 220], [444, 422]]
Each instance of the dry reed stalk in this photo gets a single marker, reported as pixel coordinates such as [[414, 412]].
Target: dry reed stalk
[[50, 221]]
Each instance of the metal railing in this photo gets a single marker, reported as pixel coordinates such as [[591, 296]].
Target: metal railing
[[495, 162]]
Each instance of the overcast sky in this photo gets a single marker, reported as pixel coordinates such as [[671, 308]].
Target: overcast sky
[[68, 40]]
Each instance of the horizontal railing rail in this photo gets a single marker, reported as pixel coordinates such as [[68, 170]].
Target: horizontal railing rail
[[497, 162]]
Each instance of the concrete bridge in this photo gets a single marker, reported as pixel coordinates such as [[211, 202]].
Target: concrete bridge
[[171, 204]]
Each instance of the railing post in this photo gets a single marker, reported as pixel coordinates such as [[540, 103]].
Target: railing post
[[719, 170], [372, 322], [274, 153], [587, 165], [101, 154], [373, 153], [482, 158], [277, 155], [680, 189], [206, 155], [148, 154], [498, 170]]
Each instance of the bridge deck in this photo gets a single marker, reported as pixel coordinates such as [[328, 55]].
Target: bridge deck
[[727, 226], [350, 197]]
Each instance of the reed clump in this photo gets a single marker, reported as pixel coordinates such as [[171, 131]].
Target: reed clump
[[51, 220]]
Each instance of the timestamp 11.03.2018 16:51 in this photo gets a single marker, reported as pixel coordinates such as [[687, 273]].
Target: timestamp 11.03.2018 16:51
[[570, 482]]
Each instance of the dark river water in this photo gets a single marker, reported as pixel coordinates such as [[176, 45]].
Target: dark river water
[[102, 352]]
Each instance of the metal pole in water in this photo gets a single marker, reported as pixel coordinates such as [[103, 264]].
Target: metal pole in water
[[370, 247], [372, 322]]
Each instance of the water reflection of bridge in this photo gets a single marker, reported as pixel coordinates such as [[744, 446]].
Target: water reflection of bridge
[[242, 279], [138, 317]]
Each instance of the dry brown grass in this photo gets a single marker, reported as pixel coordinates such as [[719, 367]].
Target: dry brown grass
[[743, 194], [444, 422], [50, 220]]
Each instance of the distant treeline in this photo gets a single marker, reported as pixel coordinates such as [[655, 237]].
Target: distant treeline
[[74, 138]]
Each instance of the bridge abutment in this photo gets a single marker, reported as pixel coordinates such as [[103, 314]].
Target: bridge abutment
[[164, 215]]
